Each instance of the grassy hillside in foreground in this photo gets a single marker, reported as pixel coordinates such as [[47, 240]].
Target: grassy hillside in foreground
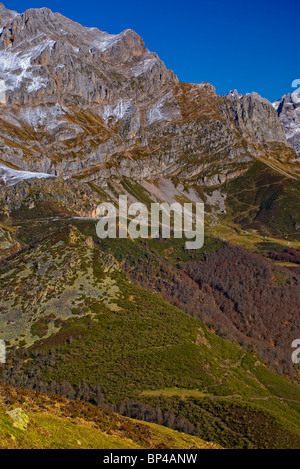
[[264, 200], [75, 318], [117, 349], [32, 420]]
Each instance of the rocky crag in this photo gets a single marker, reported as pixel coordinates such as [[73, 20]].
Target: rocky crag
[[81, 102]]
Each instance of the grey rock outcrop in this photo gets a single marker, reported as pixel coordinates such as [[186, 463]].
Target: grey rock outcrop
[[47, 58], [256, 116], [288, 109], [85, 103], [6, 15]]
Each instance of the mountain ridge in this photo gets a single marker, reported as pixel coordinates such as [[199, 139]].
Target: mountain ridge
[[125, 114], [87, 116], [288, 110]]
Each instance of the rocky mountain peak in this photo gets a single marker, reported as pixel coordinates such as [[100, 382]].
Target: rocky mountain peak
[[81, 102], [257, 96], [233, 94], [288, 110], [47, 58], [35, 22], [6, 15]]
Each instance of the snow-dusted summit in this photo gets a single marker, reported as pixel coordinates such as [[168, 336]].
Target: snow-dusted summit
[[288, 109]]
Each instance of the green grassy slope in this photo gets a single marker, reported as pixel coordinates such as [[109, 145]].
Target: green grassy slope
[[71, 316], [130, 341], [37, 421], [265, 200]]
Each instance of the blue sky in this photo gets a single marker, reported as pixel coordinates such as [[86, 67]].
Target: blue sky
[[247, 45]]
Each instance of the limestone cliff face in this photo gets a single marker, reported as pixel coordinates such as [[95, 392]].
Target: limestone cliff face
[[255, 115], [81, 102], [288, 109], [47, 58], [6, 15]]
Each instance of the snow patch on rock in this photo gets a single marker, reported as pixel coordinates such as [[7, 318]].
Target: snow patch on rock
[[163, 109], [42, 116], [116, 110], [10, 177], [106, 41], [16, 66], [143, 67], [292, 129]]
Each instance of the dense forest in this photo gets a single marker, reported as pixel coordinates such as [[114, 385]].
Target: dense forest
[[239, 294]]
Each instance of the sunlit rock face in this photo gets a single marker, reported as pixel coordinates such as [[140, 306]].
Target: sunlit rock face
[[81, 102], [47, 58], [288, 109]]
